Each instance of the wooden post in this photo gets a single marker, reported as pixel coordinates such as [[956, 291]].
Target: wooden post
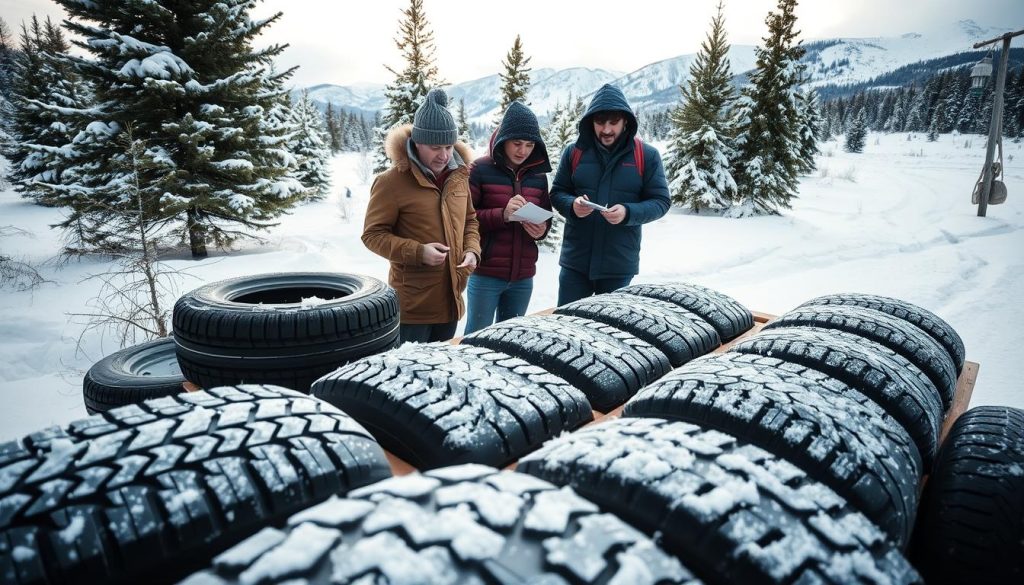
[[996, 127]]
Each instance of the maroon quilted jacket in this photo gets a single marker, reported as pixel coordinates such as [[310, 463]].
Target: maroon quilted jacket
[[509, 252]]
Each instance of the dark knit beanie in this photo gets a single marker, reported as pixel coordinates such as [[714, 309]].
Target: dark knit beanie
[[518, 123], [433, 123]]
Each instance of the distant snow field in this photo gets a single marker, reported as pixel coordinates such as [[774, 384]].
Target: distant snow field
[[896, 221]]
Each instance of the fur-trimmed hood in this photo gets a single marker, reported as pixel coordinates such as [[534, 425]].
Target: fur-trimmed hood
[[395, 147]]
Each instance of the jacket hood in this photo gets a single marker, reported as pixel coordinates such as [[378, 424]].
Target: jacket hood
[[519, 123], [606, 99], [395, 147]]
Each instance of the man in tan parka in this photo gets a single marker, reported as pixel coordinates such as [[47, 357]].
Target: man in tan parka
[[421, 218]]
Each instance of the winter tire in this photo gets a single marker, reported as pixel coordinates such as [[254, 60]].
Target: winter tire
[[727, 316], [730, 511], [607, 364], [467, 524], [136, 373], [833, 433], [676, 332], [884, 376], [147, 493], [898, 335], [929, 322], [439, 404], [286, 329], [971, 527]]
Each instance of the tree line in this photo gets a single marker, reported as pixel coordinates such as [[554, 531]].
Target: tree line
[[941, 104], [738, 154]]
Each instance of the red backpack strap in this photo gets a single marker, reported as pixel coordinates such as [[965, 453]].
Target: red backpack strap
[[638, 155], [577, 154]]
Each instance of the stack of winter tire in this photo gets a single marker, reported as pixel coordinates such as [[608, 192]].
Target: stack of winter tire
[[794, 456], [286, 329]]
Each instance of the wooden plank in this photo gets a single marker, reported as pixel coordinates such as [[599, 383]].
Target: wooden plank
[[961, 398], [398, 465], [760, 320]]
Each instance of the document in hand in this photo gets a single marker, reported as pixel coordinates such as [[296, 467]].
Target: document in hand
[[531, 213], [593, 205]]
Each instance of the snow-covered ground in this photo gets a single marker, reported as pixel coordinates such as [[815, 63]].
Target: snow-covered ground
[[895, 220]]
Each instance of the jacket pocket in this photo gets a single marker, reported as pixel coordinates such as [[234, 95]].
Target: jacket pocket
[[421, 280]]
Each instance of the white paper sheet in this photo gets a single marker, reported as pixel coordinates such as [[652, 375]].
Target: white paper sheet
[[531, 213]]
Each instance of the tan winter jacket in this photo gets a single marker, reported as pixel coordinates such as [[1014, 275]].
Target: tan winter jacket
[[406, 210]]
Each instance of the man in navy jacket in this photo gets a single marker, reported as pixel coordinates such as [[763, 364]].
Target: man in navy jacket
[[601, 249]]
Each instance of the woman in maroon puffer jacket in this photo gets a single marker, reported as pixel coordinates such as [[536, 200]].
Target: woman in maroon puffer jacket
[[513, 174]]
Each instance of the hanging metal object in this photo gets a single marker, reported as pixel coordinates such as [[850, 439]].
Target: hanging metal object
[[979, 75]]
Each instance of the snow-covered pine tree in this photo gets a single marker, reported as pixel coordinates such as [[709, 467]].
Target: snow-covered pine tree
[[700, 147], [195, 90], [354, 137], [43, 88], [1009, 101], [933, 129], [809, 129], [465, 132], [983, 116], [559, 134], [404, 95], [768, 148], [515, 79], [1015, 108], [333, 125], [7, 55], [950, 107], [857, 134], [310, 146]]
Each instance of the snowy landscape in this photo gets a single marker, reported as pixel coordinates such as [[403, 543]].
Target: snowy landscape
[[895, 220]]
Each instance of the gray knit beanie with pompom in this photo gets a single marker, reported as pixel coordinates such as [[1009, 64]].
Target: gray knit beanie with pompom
[[433, 123]]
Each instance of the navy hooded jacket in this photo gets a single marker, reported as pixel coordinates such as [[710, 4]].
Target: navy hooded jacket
[[590, 244]]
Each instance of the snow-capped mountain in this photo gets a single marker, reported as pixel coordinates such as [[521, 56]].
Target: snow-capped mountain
[[846, 61], [548, 87], [656, 86], [364, 98], [831, 62]]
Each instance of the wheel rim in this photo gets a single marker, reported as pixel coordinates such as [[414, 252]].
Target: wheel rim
[[158, 361], [290, 291]]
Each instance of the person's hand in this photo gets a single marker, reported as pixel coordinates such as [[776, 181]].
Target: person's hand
[[615, 215], [535, 230], [513, 204], [434, 253], [468, 261], [579, 209]]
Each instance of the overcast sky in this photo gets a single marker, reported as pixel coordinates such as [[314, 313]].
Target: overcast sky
[[346, 43]]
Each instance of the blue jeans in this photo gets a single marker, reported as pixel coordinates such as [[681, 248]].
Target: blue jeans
[[573, 285], [488, 295]]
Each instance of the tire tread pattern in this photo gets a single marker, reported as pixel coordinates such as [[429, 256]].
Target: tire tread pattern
[[730, 511], [147, 492], [832, 432], [466, 524], [607, 364], [439, 404], [929, 322], [895, 384], [898, 335], [971, 527], [727, 316], [680, 334]]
